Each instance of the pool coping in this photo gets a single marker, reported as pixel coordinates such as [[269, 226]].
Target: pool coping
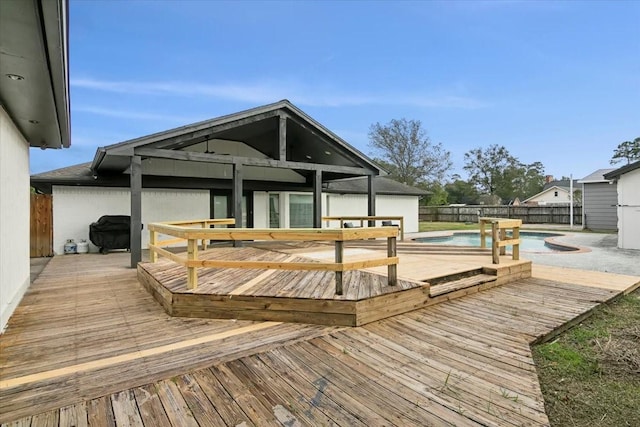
[[550, 241]]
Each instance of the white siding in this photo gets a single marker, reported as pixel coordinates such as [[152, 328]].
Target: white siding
[[549, 197], [386, 205], [14, 217], [74, 208], [629, 210]]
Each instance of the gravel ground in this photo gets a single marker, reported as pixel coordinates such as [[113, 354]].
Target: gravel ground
[[604, 254]]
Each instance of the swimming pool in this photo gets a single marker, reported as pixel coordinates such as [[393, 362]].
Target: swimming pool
[[529, 241]]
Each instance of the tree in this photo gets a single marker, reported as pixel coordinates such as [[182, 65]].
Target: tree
[[438, 196], [460, 191], [404, 150], [489, 169], [495, 171], [627, 150]]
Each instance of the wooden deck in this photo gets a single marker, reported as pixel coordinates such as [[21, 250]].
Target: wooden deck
[[89, 346], [309, 296]]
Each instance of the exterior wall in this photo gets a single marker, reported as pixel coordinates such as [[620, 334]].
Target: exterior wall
[[629, 210], [74, 208], [548, 197], [356, 204], [14, 217], [599, 202], [341, 205]]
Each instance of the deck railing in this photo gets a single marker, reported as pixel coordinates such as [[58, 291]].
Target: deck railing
[[185, 230], [499, 227], [369, 220]]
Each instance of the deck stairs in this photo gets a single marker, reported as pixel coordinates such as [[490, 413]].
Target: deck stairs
[[452, 283]]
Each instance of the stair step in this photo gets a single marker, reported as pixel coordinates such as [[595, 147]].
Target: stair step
[[456, 285]]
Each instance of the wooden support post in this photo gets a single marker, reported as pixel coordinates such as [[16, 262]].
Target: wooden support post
[[236, 199], [495, 237], [192, 272], [317, 199], [392, 269], [282, 139], [135, 184], [153, 256], [483, 234], [205, 224], [339, 259], [402, 228], [516, 247], [371, 198], [503, 236]]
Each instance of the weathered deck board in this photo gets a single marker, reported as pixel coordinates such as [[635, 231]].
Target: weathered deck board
[[465, 362]]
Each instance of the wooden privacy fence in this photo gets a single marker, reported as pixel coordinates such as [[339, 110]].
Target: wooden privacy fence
[[41, 225], [528, 214], [370, 221], [499, 240], [184, 230]]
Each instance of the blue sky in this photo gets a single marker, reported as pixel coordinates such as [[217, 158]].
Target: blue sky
[[556, 82]]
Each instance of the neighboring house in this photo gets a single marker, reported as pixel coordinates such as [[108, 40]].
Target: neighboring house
[[271, 166], [599, 201], [627, 180], [553, 195], [34, 112]]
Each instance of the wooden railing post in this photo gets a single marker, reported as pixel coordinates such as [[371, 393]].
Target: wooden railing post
[[205, 224], [483, 234], [495, 237], [339, 258], [516, 247], [503, 236], [392, 269], [402, 228], [153, 256], [192, 255]]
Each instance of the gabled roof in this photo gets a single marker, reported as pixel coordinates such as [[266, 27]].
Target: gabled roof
[[547, 190], [307, 141], [597, 176], [34, 70], [615, 174], [383, 185], [562, 183]]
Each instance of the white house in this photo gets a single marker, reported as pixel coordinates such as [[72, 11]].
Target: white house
[[628, 180], [551, 196], [34, 112], [271, 166]]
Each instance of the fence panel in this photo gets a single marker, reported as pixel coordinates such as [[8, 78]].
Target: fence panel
[[528, 214], [41, 225]]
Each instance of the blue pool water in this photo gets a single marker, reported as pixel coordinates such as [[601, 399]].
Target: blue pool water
[[529, 241]]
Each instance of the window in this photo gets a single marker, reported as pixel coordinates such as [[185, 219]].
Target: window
[[300, 211], [555, 194], [274, 210]]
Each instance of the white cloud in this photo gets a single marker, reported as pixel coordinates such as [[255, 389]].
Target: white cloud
[[267, 92], [133, 114]]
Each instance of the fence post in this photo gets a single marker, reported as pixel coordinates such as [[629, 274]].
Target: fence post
[[339, 258], [153, 256], [516, 247], [494, 244], [192, 255], [392, 269]]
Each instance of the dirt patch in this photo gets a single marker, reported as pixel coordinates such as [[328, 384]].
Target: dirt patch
[[590, 375]]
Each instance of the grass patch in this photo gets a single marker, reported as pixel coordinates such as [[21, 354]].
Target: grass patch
[[446, 226], [590, 375]]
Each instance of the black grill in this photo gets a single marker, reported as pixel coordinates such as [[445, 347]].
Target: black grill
[[111, 232]]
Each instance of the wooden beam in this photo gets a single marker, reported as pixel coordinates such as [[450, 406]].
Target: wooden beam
[[282, 139], [317, 199], [210, 130], [193, 156], [392, 269], [371, 198], [135, 187], [339, 259], [236, 198]]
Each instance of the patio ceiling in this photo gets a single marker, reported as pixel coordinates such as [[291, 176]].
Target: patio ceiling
[[286, 136]]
